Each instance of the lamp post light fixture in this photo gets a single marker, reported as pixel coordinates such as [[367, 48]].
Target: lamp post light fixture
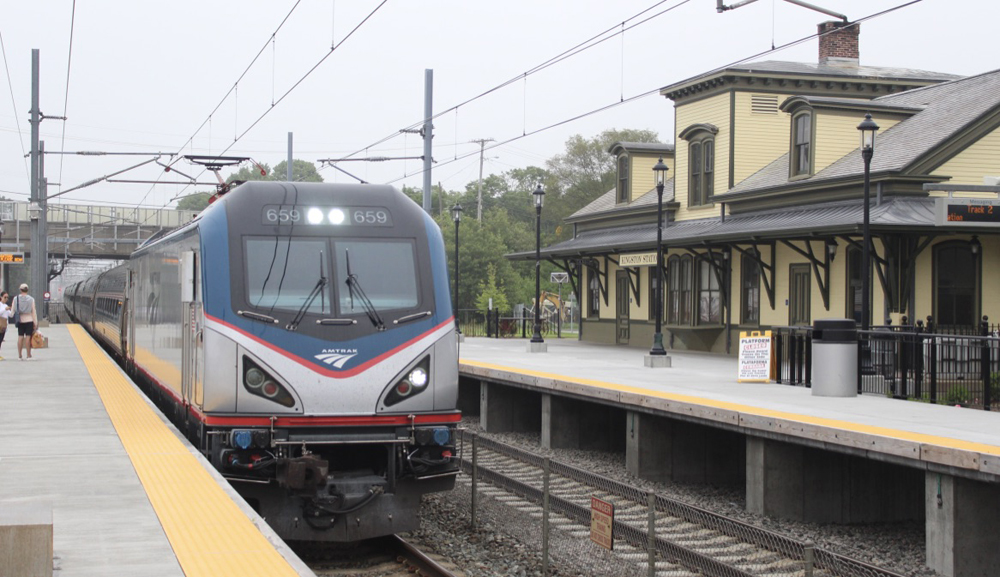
[[657, 356], [537, 343], [974, 245], [868, 128], [831, 248], [456, 215]]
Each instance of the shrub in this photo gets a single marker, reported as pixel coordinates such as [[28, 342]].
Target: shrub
[[957, 395]]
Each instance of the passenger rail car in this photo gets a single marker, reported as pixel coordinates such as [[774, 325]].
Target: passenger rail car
[[302, 337]]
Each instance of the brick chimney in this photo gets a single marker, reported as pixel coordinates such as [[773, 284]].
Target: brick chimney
[[838, 43]]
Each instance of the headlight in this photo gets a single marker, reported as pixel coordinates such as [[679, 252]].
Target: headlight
[[418, 377], [255, 378], [314, 215], [336, 216]]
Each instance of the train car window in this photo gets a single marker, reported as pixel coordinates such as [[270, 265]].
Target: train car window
[[282, 272], [385, 269]]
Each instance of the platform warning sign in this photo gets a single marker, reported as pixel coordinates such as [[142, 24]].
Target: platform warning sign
[[755, 357], [602, 523]]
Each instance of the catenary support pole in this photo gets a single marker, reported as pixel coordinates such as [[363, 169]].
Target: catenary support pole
[[428, 135]]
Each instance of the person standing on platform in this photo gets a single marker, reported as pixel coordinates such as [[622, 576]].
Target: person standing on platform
[[27, 320], [5, 314]]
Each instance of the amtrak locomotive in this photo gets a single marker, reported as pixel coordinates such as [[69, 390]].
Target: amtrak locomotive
[[301, 336]]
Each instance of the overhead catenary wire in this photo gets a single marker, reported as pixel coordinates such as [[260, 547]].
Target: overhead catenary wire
[[69, 68], [595, 40], [287, 92], [13, 103], [656, 90]]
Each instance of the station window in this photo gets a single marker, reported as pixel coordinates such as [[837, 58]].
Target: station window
[[679, 290], [956, 285], [623, 179], [750, 289], [709, 292], [801, 156]]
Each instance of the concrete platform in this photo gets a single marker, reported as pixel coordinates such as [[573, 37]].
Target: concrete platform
[[809, 458], [61, 448], [704, 385]]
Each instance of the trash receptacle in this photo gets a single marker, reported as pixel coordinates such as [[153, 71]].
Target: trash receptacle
[[835, 358]]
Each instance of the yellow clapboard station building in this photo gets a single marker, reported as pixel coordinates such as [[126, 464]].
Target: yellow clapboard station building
[[763, 204]]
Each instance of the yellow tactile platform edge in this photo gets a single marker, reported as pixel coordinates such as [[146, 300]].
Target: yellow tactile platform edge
[[757, 411], [209, 534]]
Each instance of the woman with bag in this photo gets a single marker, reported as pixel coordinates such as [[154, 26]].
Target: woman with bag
[[26, 318], [5, 314]]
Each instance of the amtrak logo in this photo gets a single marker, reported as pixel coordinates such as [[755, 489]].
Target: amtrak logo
[[337, 357]]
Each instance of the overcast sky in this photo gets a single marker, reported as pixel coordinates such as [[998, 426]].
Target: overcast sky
[[146, 77]]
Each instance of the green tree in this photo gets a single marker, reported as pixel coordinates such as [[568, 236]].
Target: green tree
[[587, 170], [197, 201], [489, 291], [302, 171]]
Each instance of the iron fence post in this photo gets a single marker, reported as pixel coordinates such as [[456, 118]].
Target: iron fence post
[[778, 343], [793, 358], [984, 354], [860, 362], [808, 355], [934, 361], [918, 353]]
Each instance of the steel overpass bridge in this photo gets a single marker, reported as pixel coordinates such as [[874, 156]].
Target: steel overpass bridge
[[80, 236]]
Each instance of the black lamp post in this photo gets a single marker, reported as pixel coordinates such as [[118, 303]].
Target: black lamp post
[[660, 172], [539, 195], [868, 128], [456, 215]]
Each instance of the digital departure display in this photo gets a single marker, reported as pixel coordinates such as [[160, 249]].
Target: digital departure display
[[967, 211], [11, 257], [295, 215]]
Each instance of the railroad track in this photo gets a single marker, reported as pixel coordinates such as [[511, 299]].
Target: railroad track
[[689, 541], [389, 556]]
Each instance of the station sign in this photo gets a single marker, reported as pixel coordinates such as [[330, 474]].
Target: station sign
[[967, 212], [602, 523], [12, 257], [637, 259]]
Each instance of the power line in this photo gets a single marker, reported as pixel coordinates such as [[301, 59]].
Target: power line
[[591, 42], [13, 103], [656, 90], [289, 91], [69, 66]]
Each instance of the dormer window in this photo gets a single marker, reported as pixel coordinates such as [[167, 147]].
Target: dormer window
[[801, 155], [701, 162], [622, 179]]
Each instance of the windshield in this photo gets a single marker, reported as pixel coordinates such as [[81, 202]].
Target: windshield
[[386, 270], [282, 272]]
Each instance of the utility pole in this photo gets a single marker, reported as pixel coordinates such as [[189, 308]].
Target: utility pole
[[427, 134], [39, 262], [288, 169], [479, 195]]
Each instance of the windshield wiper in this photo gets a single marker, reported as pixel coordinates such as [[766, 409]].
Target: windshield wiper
[[354, 288], [316, 291]]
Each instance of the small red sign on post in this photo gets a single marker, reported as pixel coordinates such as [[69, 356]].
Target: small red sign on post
[[602, 522]]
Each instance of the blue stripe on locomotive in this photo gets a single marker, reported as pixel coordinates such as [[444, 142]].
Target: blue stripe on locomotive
[[216, 267]]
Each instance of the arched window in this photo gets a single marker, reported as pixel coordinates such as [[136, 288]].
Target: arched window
[[679, 293], [622, 179], [750, 289], [701, 162], [801, 156], [956, 285]]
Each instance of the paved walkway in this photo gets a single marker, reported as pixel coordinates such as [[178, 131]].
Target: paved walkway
[[62, 449]]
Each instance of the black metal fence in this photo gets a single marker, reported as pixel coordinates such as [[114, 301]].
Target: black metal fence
[[954, 366], [477, 323]]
